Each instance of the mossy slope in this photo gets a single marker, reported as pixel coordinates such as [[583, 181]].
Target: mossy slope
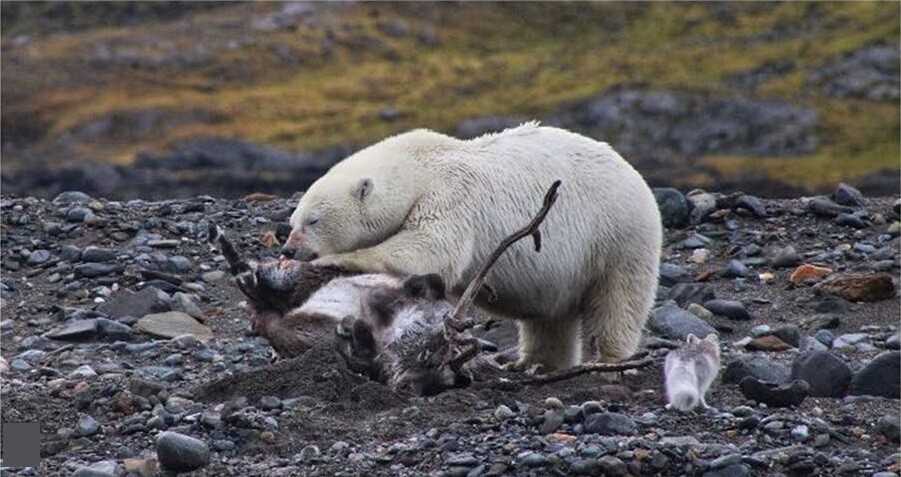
[[306, 77]]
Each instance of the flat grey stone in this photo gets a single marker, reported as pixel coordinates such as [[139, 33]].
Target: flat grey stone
[[679, 441], [78, 330], [671, 274], [610, 424], [731, 309], [171, 324], [92, 270], [38, 256], [125, 302], [97, 254], [823, 207], [786, 257], [104, 468], [87, 426], [673, 322]]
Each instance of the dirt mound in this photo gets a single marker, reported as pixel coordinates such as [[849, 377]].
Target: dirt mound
[[319, 373]]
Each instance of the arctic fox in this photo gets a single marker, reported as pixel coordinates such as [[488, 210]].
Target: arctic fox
[[690, 370]]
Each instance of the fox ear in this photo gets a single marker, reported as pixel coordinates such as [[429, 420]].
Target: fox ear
[[691, 338]]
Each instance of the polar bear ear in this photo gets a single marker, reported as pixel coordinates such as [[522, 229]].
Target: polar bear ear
[[363, 189]]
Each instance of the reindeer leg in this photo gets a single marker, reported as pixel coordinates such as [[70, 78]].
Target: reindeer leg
[[246, 273]]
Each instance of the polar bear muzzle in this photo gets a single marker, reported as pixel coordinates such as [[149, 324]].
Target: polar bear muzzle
[[303, 254]]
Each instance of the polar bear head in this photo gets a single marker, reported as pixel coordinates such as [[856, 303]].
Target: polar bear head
[[362, 200]]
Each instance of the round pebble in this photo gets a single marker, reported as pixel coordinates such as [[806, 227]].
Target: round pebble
[[181, 453]]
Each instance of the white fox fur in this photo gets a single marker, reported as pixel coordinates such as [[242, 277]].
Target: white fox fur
[[689, 371]]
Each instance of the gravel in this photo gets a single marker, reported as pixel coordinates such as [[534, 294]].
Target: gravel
[[110, 396]]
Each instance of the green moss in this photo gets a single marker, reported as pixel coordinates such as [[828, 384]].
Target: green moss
[[308, 89], [859, 138]]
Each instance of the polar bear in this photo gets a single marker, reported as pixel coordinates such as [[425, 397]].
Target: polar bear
[[422, 202]]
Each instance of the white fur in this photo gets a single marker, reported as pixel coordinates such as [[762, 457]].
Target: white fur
[[688, 374], [682, 387], [343, 296], [410, 315], [441, 205]]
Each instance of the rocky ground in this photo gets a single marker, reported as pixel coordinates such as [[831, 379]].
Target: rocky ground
[[125, 338]]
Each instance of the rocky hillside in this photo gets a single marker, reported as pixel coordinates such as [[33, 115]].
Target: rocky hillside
[[161, 100], [126, 339]]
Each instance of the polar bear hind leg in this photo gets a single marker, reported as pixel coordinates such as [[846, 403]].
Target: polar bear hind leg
[[613, 318], [552, 344]]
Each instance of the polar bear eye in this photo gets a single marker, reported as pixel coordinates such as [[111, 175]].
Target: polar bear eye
[[311, 222]]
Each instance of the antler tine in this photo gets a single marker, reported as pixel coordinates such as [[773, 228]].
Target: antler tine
[[456, 363], [478, 281]]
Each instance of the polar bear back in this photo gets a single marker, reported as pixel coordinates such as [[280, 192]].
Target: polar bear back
[[485, 188]]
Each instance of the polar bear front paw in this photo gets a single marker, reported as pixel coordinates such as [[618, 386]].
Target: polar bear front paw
[[352, 261], [527, 367]]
